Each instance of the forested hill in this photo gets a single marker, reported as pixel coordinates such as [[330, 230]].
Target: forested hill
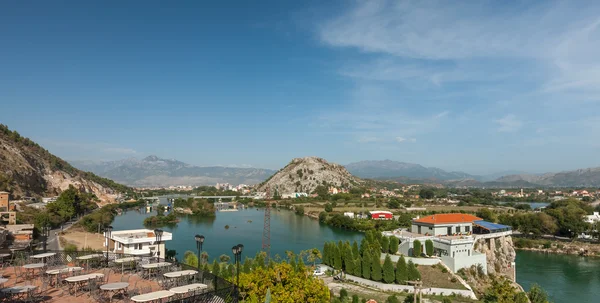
[[27, 169]]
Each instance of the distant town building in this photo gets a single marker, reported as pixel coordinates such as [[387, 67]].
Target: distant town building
[[593, 218], [349, 215], [381, 215]]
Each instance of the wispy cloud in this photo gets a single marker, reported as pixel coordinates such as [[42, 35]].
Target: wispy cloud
[[509, 123], [402, 139], [419, 68]]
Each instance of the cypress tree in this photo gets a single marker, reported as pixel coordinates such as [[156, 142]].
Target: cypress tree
[[216, 268], [293, 264], [413, 272], [355, 251], [247, 266], [401, 271], [385, 244], [389, 274], [325, 253], [364, 245], [357, 267], [376, 267], [337, 261], [349, 261], [429, 247], [366, 265], [394, 243], [417, 248]]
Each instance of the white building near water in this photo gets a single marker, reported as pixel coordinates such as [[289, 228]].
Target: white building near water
[[141, 242], [453, 237]]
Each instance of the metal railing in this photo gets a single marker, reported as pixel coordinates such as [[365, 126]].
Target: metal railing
[[219, 289]]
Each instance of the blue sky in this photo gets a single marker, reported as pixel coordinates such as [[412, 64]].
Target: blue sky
[[475, 86]]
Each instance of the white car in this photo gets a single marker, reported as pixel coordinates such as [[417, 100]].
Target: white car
[[318, 273]]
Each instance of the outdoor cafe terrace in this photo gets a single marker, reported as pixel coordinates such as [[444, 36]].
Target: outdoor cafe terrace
[[73, 277]]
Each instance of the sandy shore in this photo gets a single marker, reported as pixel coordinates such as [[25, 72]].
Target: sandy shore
[[82, 239]]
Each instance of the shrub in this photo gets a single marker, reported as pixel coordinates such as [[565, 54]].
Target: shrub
[[547, 244], [429, 247], [453, 280], [343, 293]]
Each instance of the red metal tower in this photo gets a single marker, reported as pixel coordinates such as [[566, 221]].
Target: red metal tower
[[266, 239]]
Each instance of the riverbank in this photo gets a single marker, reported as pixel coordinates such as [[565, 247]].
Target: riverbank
[[552, 246]]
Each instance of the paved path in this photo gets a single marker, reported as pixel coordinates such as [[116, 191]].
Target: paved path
[[410, 289]]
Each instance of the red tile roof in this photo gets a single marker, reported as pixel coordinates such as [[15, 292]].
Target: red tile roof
[[448, 218]]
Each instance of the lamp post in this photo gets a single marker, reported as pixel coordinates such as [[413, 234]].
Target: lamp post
[[107, 235], [237, 253], [199, 242], [158, 234]]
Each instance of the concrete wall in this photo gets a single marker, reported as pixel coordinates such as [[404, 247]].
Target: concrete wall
[[419, 261], [465, 262]]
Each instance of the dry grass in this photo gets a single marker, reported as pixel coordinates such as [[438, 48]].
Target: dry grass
[[82, 239], [432, 276]]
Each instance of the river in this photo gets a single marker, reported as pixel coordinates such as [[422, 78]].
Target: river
[[565, 278], [288, 232]]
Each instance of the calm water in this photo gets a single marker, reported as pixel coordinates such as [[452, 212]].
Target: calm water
[[288, 232], [565, 278]]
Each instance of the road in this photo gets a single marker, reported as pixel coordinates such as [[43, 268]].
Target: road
[[53, 243]]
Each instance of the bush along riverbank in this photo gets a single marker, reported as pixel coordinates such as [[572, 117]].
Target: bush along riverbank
[[558, 247]]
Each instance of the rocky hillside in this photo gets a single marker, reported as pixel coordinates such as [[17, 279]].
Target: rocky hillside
[[155, 171], [27, 169], [305, 174], [500, 253]]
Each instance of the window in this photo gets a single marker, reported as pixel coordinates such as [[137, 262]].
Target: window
[[138, 246], [120, 246], [449, 231], [458, 229], [467, 228], [419, 229]]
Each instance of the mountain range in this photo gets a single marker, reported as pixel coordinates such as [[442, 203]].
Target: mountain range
[[155, 171], [29, 170]]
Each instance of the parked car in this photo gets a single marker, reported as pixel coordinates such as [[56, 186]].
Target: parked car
[[318, 272]]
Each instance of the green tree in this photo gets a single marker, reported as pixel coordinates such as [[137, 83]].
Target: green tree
[[392, 299], [394, 243], [337, 258], [355, 298], [401, 271], [417, 248], [285, 285], [328, 207], [376, 267], [502, 292], [411, 298], [426, 193], [355, 251], [190, 259], [413, 272], [385, 244], [366, 265], [326, 253], [389, 274], [429, 247], [486, 214], [224, 258], [247, 266], [216, 268], [537, 294], [357, 267], [343, 294]]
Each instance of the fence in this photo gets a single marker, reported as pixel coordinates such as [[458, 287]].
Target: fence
[[219, 290]]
